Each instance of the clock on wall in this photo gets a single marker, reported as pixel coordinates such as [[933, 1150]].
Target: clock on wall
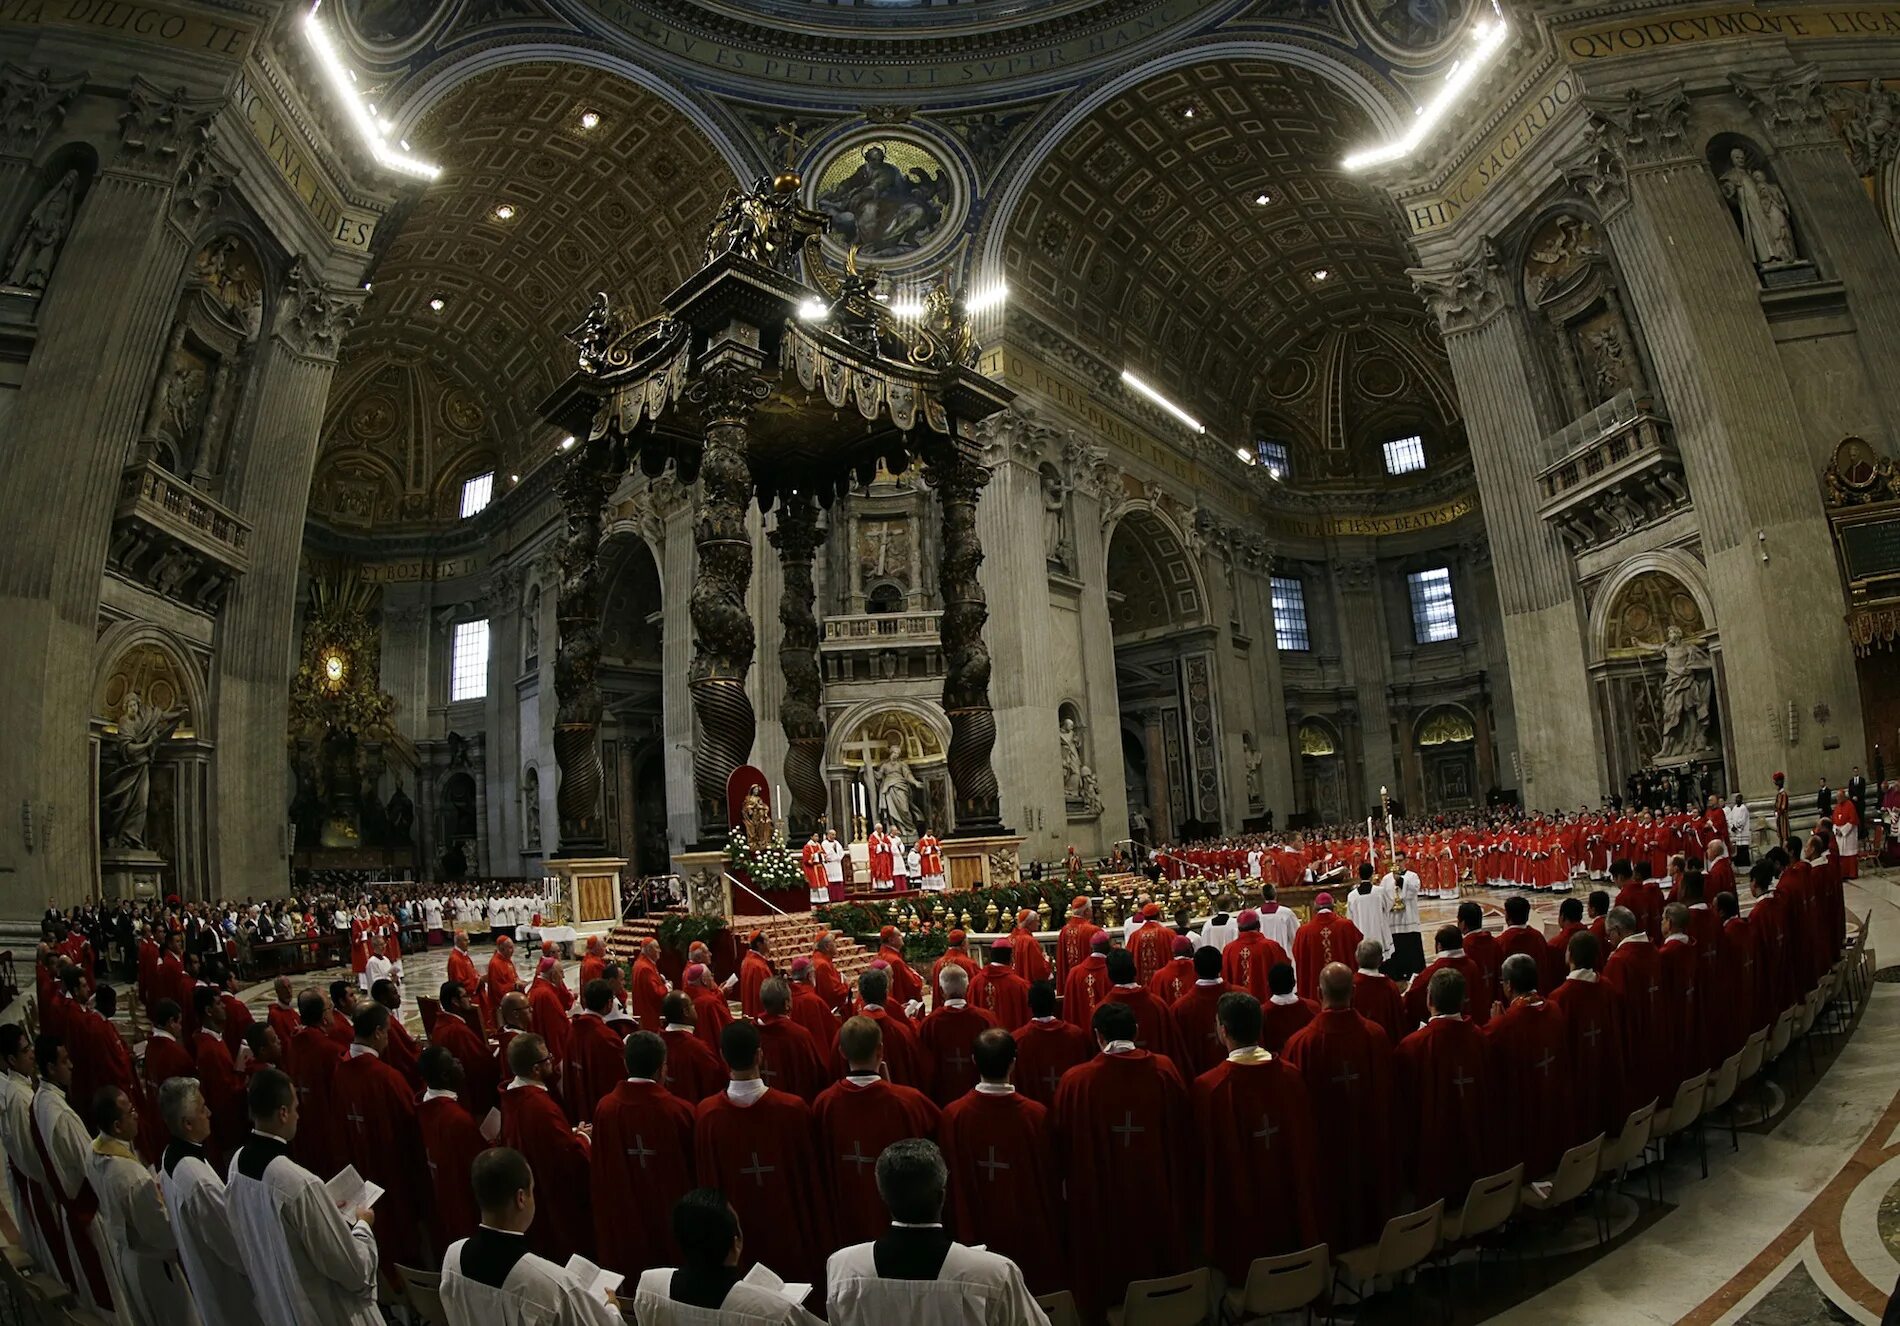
[[336, 667]]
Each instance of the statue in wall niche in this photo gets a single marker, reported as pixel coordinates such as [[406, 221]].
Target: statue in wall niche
[[1687, 696], [125, 786], [1089, 789], [1071, 739], [1872, 127], [1609, 361], [30, 263], [399, 816], [1762, 209], [898, 789], [1256, 796], [1055, 503]]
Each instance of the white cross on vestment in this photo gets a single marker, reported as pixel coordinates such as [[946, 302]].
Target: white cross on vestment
[[356, 1118], [1543, 1065], [1127, 1128], [757, 1172], [992, 1164], [1460, 1081], [858, 1158], [1266, 1132], [1052, 1077], [1591, 1033], [430, 1162], [1347, 1077], [959, 1061], [642, 1150]]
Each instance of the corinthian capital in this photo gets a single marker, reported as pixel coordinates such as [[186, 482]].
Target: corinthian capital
[[1645, 127], [163, 133], [1597, 170], [1462, 298], [32, 102], [1789, 103], [313, 317]]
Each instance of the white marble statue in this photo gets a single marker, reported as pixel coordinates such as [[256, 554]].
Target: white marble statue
[[30, 264], [1071, 741], [125, 787], [1763, 210], [898, 792], [1687, 695]]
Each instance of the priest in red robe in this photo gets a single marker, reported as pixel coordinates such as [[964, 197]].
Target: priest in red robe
[[1002, 1171], [1481, 946], [1443, 1099], [310, 1059], [1528, 1065], [1152, 944], [1327, 938], [853, 1121], [1154, 1021], [711, 1013], [1088, 983], [1376, 996], [998, 989], [1449, 944], [1195, 1014], [790, 1059], [646, 987], [451, 1139], [692, 1071], [1047, 1047], [824, 974], [1252, 1116], [1593, 1017], [382, 1138], [907, 987], [481, 1086], [502, 977], [1122, 1138], [902, 1054], [1285, 1012], [548, 1011], [955, 954], [643, 1154], [1177, 978], [1520, 936], [1347, 1064], [755, 969], [1249, 956], [404, 1050], [946, 1037], [1741, 1014], [218, 1078], [1030, 962], [810, 1011], [596, 1057], [1680, 1040], [282, 1010], [533, 1124], [1634, 971], [1072, 943], [754, 1144]]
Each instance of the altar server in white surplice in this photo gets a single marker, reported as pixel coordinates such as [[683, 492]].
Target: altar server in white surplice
[[309, 1263], [916, 1273], [707, 1289], [194, 1197], [26, 1180], [148, 1284], [491, 1279]]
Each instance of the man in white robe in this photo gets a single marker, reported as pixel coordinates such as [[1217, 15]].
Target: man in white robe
[[917, 1274], [148, 1284], [900, 863], [834, 864], [1401, 885], [491, 1279], [708, 1289], [194, 1198], [26, 1181], [1276, 922], [1370, 909], [309, 1263], [65, 1146]]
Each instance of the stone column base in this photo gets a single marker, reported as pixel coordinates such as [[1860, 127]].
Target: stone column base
[[708, 892], [131, 872], [591, 886], [970, 863]]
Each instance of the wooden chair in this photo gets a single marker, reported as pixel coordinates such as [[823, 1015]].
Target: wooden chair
[[1173, 1300], [1060, 1309], [1406, 1241], [1279, 1284]]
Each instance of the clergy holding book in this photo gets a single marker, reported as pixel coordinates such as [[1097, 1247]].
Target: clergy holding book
[[491, 1278]]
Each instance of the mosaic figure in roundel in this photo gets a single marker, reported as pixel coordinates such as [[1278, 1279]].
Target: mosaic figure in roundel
[[889, 199]]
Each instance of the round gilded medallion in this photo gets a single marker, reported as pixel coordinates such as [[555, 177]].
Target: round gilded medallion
[[372, 419], [892, 198], [461, 411]]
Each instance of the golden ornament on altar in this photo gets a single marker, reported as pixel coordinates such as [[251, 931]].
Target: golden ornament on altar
[[915, 923], [965, 922], [1042, 915], [989, 918]]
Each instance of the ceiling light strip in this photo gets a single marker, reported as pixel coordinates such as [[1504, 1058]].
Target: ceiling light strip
[[374, 132], [1488, 36], [1135, 384]]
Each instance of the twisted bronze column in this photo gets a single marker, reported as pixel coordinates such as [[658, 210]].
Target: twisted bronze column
[[583, 487], [723, 640], [796, 537], [966, 681]]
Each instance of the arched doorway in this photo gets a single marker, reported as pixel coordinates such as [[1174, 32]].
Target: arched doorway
[[1446, 739], [1657, 668], [1322, 772], [629, 676]]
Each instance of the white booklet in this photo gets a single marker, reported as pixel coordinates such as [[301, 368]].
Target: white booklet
[[591, 1278], [491, 1124], [762, 1277], [351, 1192]]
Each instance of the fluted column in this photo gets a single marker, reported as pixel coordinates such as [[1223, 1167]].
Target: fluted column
[[270, 488], [1368, 658], [578, 804], [723, 641], [966, 683], [1498, 388], [796, 537]]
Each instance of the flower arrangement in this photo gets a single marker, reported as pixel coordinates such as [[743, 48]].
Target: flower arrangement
[[770, 867]]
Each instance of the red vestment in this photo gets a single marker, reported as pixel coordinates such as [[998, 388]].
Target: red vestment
[[284, 1021], [1280, 1019], [533, 1124], [1481, 946], [1088, 986], [1680, 1039], [1194, 1023], [1514, 939], [1154, 1021], [596, 1064], [1634, 970], [692, 1071], [237, 1020], [1173, 980], [809, 1011], [1152, 947], [503, 979], [1528, 1068], [1593, 1020], [946, 1039], [646, 992], [480, 1074], [761, 1157], [789, 1059], [830, 986], [1377, 998], [377, 1114], [852, 1123], [811, 859], [1477, 995], [451, 1139], [711, 1015], [902, 1055], [359, 944], [1261, 1196], [1247, 959], [754, 971], [1003, 1182], [1121, 1129], [951, 957], [1773, 984], [223, 1089], [1741, 1003], [1443, 1104], [1327, 938], [1347, 1064], [1027, 957], [310, 1058], [1001, 993], [101, 1058], [548, 1014], [1072, 948], [906, 985], [1046, 1049], [643, 1157]]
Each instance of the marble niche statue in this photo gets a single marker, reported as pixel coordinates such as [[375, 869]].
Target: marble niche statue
[[1057, 548], [899, 791], [399, 817], [1089, 790], [125, 787], [1762, 209], [1687, 696], [1071, 741], [30, 263]]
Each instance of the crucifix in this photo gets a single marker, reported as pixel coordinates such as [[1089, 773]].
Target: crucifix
[[786, 132], [867, 748]]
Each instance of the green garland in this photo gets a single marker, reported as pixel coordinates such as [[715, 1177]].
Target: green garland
[[770, 867], [677, 934]]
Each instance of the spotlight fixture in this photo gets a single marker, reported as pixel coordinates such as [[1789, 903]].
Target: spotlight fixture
[[1320, 273], [812, 310], [437, 303], [1246, 456], [514, 478], [1261, 200], [590, 119], [1187, 113], [370, 126], [567, 443], [505, 212]]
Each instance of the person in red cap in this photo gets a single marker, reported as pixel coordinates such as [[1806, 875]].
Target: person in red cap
[[953, 956], [824, 974], [711, 1015], [907, 987], [1177, 978], [947, 1035], [1249, 957], [1047, 1046], [1152, 944], [1031, 963], [1088, 983], [549, 1011], [593, 962], [1325, 939], [755, 969], [999, 991], [1072, 944]]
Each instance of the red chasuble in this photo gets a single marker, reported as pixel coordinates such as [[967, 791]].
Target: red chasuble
[[951, 957], [310, 1058], [1377, 999], [1153, 947], [1742, 991], [1154, 1021], [809, 1012], [642, 1165], [711, 1016], [1088, 986], [1027, 957], [1247, 959], [1194, 1023], [550, 1019], [1045, 1051], [377, 1112], [462, 971], [1634, 970], [1121, 1129], [754, 971], [790, 1060], [451, 1140], [1477, 995], [1072, 948], [96, 1044], [1481, 946], [1528, 1064], [946, 1038], [1443, 1104], [1173, 981], [223, 1089], [284, 1021], [1328, 937], [403, 1054], [596, 1064], [1593, 1018], [1347, 1064], [480, 1085], [237, 1020], [1278, 1022], [692, 1071], [830, 986], [503, 979], [1001, 993], [1514, 939], [852, 1124], [906, 985], [1680, 1008], [760, 1156], [1003, 1182], [1261, 1194], [533, 1124], [646, 991], [902, 1055]]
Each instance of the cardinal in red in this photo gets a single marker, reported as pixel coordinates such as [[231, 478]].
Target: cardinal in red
[[853, 1121], [1285, 1012], [382, 1138], [998, 990], [1072, 943], [643, 1152], [1121, 1127], [1742, 1010], [1002, 1173], [1327, 938], [548, 1011], [824, 975], [810, 1011], [340, 1022], [310, 1058], [1557, 948], [533, 1124], [1047, 1047], [1634, 971], [595, 1059], [451, 1139], [1177, 978], [1154, 1021], [946, 1038], [1593, 1017], [1481, 946], [502, 977], [754, 1144], [1249, 956], [218, 1077], [1252, 1115], [954, 955], [1347, 1064], [481, 1086], [1643, 897], [790, 1058], [907, 987], [1194, 1015], [95, 1042], [1152, 944], [1528, 1065], [1443, 1102], [711, 1013], [1030, 962], [1088, 983], [903, 1056], [1679, 1041], [646, 987], [282, 1011], [1450, 946], [1520, 936], [1376, 996], [755, 969]]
